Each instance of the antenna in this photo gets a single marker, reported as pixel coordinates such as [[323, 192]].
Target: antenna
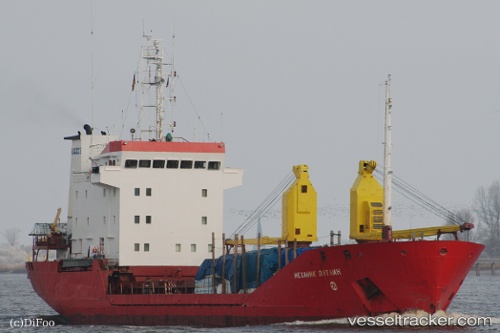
[[148, 37], [222, 126], [92, 79]]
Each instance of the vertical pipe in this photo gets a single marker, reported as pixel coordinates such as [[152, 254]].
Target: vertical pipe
[[258, 260], [235, 264], [214, 286], [331, 237], [279, 254], [286, 252], [338, 239], [243, 267], [223, 263], [294, 248]]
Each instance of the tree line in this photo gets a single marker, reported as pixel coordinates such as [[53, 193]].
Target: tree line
[[486, 207]]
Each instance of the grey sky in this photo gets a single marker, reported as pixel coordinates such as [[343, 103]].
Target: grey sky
[[295, 82]]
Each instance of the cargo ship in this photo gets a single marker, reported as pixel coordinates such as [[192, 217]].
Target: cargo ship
[[144, 243]]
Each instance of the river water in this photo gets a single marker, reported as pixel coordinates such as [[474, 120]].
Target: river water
[[479, 297]]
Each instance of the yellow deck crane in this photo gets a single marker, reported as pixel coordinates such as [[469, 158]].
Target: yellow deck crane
[[367, 213], [299, 213]]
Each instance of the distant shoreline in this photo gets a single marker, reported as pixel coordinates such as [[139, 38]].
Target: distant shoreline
[[13, 269]]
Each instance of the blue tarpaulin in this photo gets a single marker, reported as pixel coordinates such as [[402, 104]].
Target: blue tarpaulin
[[268, 266]]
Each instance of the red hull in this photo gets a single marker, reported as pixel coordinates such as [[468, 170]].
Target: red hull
[[328, 282]]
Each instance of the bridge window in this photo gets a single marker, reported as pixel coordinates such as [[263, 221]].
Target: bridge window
[[158, 164], [148, 192], [137, 219], [136, 247], [132, 164], [203, 220], [137, 191], [200, 164], [177, 247], [148, 219], [213, 165], [146, 247], [193, 247], [172, 164]]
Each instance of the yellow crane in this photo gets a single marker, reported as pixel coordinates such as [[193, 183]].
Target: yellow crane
[[56, 219], [367, 213], [299, 213]]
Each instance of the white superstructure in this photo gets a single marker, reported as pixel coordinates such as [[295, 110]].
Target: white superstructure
[[147, 202], [154, 202]]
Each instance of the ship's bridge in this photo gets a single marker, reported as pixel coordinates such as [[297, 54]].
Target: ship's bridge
[[150, 202]]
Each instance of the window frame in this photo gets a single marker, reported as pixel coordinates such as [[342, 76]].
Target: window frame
[[200, 165], [130, 164], [172, 164], [145, 164], [213, 165], [158, 164], [186, 164]]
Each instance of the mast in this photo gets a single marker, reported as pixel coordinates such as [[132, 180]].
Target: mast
[[152, 75], [170, 84], [159, 91], [387, 229]]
